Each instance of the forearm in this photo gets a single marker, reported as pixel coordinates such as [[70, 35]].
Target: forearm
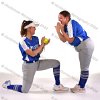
[[62, 38], [70, 40], [41, 50], [36, 51]]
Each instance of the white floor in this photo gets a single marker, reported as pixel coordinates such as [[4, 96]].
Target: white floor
[[42, 88]]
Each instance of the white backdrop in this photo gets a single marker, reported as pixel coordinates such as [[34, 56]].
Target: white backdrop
[[45, 12]]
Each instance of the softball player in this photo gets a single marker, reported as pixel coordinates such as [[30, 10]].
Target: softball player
[[31, 50], [71, 31]]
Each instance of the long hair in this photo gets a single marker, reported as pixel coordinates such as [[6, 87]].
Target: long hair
[[23, 31]]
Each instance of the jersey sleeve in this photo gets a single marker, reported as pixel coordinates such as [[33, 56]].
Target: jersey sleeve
[[22, 46], [70, 29], [79, 30]]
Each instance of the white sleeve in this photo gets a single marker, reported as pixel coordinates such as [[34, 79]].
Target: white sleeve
[[70, 29], [24, 46]]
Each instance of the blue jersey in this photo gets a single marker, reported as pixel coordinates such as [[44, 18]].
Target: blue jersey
[[29, 44], [74, 29]]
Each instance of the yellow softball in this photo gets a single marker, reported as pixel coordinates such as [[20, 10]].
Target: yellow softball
[[46, 41]]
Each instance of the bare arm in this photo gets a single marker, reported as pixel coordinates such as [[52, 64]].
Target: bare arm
[[70, 40], [36, 51], [62, 35]]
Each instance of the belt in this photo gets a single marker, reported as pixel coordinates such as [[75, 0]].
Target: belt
[[31, 61]]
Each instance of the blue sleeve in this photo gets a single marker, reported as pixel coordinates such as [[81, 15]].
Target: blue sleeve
[[79, 31]]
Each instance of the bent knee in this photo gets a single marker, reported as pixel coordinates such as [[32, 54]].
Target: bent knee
[[57, 63], [25, 90]]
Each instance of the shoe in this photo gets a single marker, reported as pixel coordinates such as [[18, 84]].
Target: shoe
[[60, 88], [6, 83], [77, 89]]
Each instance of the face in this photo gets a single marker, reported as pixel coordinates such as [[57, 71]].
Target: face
[[32, 30], [62, 19]]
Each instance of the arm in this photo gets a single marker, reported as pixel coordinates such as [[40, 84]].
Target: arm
[[36, 51], [70, 40], [62, 35]]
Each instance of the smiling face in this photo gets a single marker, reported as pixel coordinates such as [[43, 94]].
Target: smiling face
[[63, 20]]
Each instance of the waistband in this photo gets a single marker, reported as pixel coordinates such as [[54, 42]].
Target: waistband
[[78, 41], [30, 61]]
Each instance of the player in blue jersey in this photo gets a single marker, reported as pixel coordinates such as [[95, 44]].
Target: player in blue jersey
[[71, 31], [31, 50]]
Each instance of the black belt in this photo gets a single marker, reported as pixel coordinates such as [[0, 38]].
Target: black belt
[[31, 61]]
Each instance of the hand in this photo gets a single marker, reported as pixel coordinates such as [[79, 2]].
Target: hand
[[61, 26], [58, 28], [42, 40]]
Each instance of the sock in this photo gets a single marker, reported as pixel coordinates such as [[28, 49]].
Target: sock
[[83, 78], [56, 72], [15, 87]]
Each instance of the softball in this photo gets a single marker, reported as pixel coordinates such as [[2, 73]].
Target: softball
[[46, 41]]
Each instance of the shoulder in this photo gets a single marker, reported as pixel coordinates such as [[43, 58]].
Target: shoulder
[[34, 37], [75, 23], [22, 40]]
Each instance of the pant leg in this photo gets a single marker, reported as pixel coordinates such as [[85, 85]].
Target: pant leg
[[48, 63], [28, 75], [85, 50]]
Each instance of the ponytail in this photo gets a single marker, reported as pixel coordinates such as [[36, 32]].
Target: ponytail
[[24, 31]]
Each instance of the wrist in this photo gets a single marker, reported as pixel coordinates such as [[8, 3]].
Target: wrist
[[42, 45]]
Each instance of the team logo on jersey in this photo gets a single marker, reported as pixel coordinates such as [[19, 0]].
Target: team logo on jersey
[[34, 47]]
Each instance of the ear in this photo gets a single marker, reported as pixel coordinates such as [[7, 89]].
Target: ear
[[67, 18], [28, 29]]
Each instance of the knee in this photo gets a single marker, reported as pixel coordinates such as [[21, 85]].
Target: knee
[[58, 62], [25, 90]]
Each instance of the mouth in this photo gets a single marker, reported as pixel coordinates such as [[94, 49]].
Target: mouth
[[62, 23]]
